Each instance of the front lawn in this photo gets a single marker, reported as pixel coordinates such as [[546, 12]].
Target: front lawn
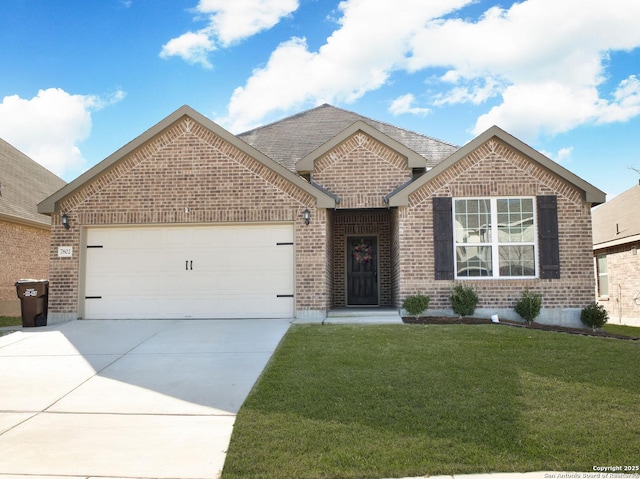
[[348, 401]]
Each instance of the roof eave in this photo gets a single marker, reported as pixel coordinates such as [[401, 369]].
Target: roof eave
[[50, 204], [24, 221], [592, 195], [414, 160]]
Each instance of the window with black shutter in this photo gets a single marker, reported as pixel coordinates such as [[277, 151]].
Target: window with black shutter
[[443, 238], [548, 240]]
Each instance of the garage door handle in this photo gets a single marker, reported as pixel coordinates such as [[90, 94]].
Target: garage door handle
[[188, 265]]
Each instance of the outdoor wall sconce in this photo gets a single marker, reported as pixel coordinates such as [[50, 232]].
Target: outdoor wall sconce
[[65, 221], [306, 215]]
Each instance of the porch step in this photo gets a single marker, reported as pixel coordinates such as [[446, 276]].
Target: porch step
[[363, 316]]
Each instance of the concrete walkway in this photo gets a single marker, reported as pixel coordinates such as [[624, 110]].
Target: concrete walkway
[[127, 399]]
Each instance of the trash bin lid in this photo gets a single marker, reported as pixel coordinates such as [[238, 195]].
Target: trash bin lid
[[22, 281]]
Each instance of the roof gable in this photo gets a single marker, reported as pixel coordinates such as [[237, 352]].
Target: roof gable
[[617, 221], [23, 184], [289, 140], [50, 205], [413, 159], [591, 194]]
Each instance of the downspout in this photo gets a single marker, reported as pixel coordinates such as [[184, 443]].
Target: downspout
[[619, 303]]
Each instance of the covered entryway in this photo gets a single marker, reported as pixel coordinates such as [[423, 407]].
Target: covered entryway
[[361, 258], [222, 271]]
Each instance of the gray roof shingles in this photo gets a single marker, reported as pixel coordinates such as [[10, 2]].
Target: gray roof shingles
[[23, 184], [291, 139]]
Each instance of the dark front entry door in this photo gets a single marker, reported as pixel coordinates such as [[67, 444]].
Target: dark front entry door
[[362, 271]]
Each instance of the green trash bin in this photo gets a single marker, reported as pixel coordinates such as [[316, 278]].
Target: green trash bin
[[34, 301]]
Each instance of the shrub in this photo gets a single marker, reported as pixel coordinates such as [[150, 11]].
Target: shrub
[[594, 316], [463, 300], [528, 306], [416, 305]]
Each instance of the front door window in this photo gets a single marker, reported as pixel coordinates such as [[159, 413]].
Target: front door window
[[362, 271]]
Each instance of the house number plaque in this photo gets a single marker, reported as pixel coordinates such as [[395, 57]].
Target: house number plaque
[[65, 251]]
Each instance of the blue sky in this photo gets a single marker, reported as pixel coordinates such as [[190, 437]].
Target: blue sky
[[80, 79]]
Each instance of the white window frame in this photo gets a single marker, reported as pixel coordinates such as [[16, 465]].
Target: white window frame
[[494, 244], [601, 274]]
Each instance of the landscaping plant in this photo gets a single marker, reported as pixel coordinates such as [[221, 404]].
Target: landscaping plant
[[594, 316], [416, 304], [528, 306], [463, 300]]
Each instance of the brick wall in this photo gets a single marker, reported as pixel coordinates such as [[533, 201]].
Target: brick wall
[[24, 253], [623, 265], [361, 171], [190, 167], [497, 170]]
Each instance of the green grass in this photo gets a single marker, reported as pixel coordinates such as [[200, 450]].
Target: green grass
[[632, 331], [346, 401], [9, 321]]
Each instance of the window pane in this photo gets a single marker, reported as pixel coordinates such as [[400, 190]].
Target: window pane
[[603, 276], [516, 261], [602, 263], [473, 221], [515, 220], [473, 261]]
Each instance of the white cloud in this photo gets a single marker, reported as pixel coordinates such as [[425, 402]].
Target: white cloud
[[562, 156], [541, 63], [403, 104], [358, 57], [194, 48], [228, 22], [49, 127]]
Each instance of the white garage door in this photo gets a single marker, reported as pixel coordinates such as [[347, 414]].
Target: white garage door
[[189, 272]]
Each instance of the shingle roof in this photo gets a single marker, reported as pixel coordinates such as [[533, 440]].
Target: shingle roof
[[618, 220], [288, 140], [23, 184]]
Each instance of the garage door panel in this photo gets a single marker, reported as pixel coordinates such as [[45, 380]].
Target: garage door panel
[[190, 272]]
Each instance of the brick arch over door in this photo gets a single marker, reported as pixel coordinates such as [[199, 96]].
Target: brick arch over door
[[349, 223]]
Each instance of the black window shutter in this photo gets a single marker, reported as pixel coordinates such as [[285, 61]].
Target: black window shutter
[[548, 242], [443, 238]]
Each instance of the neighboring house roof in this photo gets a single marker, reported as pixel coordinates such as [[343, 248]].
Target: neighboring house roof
[[289, 140], [23, 184], [50, 205], [591, 194], [617, 221]]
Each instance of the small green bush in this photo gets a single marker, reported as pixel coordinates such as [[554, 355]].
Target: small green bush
[[594, 316], [463, 300], [416, 305], [528, 306]]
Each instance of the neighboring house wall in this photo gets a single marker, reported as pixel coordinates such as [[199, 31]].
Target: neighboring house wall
[[490, 171], [623, 279], [189, 167], [24, 255]]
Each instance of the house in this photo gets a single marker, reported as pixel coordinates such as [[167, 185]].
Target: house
[[24, 233], [322, 210], [616, 240]]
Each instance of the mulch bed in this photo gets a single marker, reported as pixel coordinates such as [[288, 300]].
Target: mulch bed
[[504, 322]]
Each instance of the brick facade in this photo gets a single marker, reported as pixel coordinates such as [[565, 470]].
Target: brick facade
[[189, 175], [623, 265], [23, 256], [495, 169], [361, 172], [189, 167]]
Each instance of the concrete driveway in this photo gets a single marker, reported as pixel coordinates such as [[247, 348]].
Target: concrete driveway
[[127, 399]]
